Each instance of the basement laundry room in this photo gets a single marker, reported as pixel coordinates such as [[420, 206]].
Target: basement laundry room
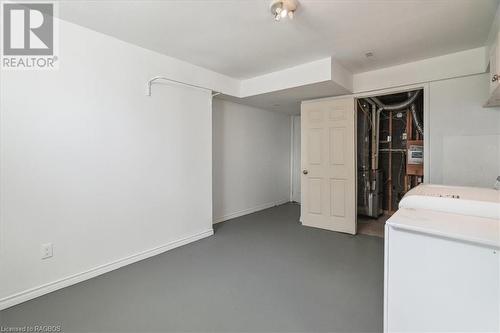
[[250, 166]]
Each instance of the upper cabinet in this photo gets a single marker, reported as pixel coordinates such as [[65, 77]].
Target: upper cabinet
[[494, 96], [494, 76]]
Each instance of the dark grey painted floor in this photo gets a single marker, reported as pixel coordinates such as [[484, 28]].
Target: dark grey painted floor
[[260, 272]]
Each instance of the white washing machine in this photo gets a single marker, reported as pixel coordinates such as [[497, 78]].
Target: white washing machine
[[442, 261]]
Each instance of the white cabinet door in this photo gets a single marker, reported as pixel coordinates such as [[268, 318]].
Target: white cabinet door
[[494, 96], [328, 164], [494, 68]]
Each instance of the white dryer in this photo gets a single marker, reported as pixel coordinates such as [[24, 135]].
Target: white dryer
[[442, 261]]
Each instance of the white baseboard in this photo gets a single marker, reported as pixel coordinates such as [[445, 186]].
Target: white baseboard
[[248, 211], [82, 276]]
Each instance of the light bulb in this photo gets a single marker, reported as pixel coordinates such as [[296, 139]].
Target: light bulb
[[283, 13]]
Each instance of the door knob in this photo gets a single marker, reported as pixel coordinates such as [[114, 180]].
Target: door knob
[[305, 172]]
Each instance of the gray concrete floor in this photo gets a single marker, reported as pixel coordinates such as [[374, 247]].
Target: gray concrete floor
[[262, 272], [372, 227]]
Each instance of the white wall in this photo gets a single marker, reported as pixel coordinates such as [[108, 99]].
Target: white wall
[[251, 159], [304, 74], [448, 66], [464, 136], [91, 164]]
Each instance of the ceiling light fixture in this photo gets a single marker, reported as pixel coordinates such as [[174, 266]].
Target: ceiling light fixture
[[283, 8]]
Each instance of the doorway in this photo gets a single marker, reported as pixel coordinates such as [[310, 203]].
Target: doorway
[[390, 142]]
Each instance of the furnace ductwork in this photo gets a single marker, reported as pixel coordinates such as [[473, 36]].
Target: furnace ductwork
[[392, 107]]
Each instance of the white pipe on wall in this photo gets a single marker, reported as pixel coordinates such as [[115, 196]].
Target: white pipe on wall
[[156, 78]]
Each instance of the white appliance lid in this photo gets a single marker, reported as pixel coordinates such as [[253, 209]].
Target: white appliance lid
[[471, 201], [469, 229]]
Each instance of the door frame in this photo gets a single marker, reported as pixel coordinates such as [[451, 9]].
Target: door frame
[[294, 168], [426, 100]]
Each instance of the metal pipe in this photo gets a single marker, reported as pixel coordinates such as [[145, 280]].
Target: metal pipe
[[393, 150], [377, 137], [415, 119], [363, 132], [384, 107], [397, 106], [374, 132]]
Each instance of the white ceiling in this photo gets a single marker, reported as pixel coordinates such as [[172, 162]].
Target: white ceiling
[[239, 37], [288, 100]]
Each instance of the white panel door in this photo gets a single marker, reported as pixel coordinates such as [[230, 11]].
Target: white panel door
[[328, 179]]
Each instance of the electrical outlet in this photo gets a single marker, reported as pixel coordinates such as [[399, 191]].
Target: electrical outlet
[[47, 250]]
